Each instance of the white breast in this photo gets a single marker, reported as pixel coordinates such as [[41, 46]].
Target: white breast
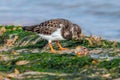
[[54, 36]]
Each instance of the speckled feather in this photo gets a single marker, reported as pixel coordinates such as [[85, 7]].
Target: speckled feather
[[50, 26]]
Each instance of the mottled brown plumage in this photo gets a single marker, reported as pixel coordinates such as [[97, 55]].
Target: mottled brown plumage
[[50, 26]]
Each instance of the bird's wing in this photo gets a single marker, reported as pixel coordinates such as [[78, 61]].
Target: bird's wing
[[47, 30], [48, 27]]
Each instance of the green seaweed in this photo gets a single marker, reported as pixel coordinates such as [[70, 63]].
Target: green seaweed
[[79, 67]]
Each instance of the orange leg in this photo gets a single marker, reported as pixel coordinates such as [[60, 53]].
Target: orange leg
[[60, 47], [51, 47]]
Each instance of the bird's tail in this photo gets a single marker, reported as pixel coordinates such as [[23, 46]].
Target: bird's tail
[[27, 28], [24, 27]]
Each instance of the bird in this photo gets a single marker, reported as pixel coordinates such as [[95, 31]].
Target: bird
[[56, 30]]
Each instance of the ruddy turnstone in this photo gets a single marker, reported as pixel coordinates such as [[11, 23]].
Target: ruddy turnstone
[[55, 30]]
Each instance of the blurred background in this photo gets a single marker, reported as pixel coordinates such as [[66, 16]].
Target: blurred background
[[99, 17]]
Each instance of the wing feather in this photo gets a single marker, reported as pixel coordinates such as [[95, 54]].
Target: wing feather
[[47, 30]]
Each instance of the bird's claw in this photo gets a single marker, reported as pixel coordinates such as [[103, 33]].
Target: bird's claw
[[63, 48], [53, 51]]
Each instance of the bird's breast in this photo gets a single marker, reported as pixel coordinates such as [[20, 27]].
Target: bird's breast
[[56, 35]]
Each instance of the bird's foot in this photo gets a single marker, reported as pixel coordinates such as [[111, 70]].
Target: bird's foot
[[53, 51], [63, 48]]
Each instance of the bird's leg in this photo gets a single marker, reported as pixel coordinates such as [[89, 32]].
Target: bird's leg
[[51, 47], [60, 47]]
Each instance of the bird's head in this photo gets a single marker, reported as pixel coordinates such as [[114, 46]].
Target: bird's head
[[76, 32]]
